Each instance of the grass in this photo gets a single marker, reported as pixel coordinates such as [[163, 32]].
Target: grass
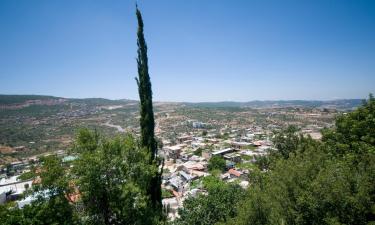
[[247, 166], [166, 194], [195, 183], [246, 157]]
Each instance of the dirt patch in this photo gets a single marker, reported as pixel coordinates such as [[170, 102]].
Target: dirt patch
[[6, 149]]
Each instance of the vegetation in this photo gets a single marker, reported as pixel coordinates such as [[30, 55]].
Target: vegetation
[[216, 206], [110, 176], [287, 141], [198, 152], [17, 99], [113, 176], [27, 176], [147, 122], [216, 163], [51, 205], [308, 182]]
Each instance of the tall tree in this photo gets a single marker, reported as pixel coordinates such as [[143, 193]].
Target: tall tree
[[145, 93], [147, 122]]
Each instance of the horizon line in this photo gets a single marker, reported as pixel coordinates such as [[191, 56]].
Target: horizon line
[[169, 101]]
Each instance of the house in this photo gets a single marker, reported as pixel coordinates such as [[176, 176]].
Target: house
[[171, 204], [257, 143], [3, 197], [190, 165], [197, 173], [246, 139], [14, 187], [174, 151], [229, 165], [184, 138], [20, 148], [176, 182], [195, 158], [231, 175], [223, 151], [186, 177], [234, 173], [213, 140], [234, 157], [198, 125], [240, 145], [206, 155], [167, 143]]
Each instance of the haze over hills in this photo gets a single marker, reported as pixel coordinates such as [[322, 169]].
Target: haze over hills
[[26, 100]]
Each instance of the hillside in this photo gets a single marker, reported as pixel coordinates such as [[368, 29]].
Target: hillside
[[35, 124], [341, 104]]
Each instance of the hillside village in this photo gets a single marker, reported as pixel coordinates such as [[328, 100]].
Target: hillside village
[[189, 137]]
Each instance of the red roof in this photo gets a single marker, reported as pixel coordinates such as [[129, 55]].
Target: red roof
[[234, 172], [175, 193]]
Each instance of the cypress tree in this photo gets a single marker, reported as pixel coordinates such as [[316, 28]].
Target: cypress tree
[[147, 122]]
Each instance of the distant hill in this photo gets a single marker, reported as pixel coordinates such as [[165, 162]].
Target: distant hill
[[100, 101], [19, 99], [336, 104], [341, 104], [22, 99]]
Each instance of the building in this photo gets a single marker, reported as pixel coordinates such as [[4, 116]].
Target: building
[[223, 151], [234, 157], [184, 138], [240, 145], [174, 152], [198, 125], [14, 187]]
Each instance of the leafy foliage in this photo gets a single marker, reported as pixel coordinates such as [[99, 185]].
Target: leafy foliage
[[51, 205], [113, 178], [329, 182], [306, 181], [355, 132], [216, 163], [286, 141], [216, 206]]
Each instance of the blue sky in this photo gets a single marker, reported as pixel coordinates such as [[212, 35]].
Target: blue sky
[[199, 50]]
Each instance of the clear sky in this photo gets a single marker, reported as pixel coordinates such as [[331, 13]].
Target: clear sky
[[199, 50]]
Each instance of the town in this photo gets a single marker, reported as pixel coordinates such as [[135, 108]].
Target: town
[[194, 142]]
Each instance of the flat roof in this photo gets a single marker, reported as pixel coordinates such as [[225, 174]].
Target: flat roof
[[219, 152]]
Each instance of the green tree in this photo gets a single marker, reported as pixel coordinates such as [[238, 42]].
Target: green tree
[[10, 215], [147, 122], [198, 151], [216, 163], [51, 205], [263, 162], [329, 182], [214, 207], [354, 132], [286, 141], [113, 180]]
